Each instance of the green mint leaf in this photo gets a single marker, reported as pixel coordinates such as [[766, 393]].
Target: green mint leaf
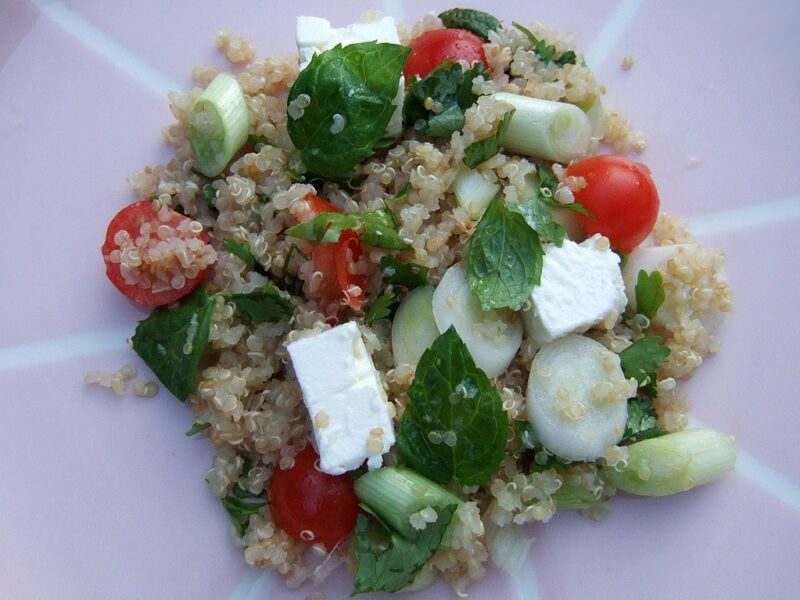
[[386, 561], [546, 51], [210, 197], [504, 258], [547, 179], [482, 150], [446, 85], [358, 82], [240, 505], [641, 359], [375, 228], [524, 431], [476, 21], [649, 293], [454, 426], [265, 304], [383, 307], [171, 341], [642, 421], [408, 275], [538, 217], [573, 206], [241, 250], [197, 428]]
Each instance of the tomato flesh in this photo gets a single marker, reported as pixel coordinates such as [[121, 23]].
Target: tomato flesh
[[310, 505], [151, 282], [621, 196], [432, 48]]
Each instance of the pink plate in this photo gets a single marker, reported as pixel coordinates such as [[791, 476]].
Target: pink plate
[[104, 497]]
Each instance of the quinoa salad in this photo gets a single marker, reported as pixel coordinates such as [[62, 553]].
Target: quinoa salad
[[416, 294]]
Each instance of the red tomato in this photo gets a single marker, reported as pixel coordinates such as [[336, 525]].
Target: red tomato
[[316, 205], [310, 505], [134, 231], [621, 196], [432, 48]]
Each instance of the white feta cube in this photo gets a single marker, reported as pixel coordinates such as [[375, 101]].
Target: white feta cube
[[344, 397], [581, 285], [315, 35]]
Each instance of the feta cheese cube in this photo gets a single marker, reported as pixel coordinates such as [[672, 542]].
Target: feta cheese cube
[[344, 397], [581, 285], [315, 35]]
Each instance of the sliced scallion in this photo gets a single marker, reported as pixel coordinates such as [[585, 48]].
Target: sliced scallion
[[575, 497], [218, 124], [473, 191], [545, 129], [673, 463]]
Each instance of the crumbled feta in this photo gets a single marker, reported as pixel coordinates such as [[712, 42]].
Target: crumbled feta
[[344, 397], [315, 35], [581, 285]]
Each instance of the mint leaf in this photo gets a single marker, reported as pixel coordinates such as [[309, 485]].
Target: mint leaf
[[197, 428], [573, 206], [447, 85], [171, 341], [240, 249], [375, 228], [476, 21], [642, 421], [240, 505], [408, 275], [546, 51], [383, 307], [482, 150], [386, 561], [358, 82], [265, 304], [649, 293], [538, 217], [529, 441], [504, 258], [641, 359], [454, 426], [210, 197]]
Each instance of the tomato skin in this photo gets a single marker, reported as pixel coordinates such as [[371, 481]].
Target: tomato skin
[[316, 206], [303, 499], [621, 196], [130, 219], [432, 48]]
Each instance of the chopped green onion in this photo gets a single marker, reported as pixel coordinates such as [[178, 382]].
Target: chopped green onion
[[674, 463], [593, 107], [218, 124], [396, 493], [544, 129], [473, 191], [575, 497]]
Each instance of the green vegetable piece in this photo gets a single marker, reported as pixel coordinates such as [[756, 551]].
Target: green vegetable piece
[[528, 441], [171, 342], [265, 304], [197, 428], [346, 104], [383, 307], [641, 359], [476, 21], [401, 197], [408, 275], [538, 216], [210, 197], [504, 258], [454, 426], [375, 228], [642, 421], [649, 293], [241, 505], [567, 58], [482, 150], [546, 51], [240, 250], [576, 497], [386, 561], [448, 86]]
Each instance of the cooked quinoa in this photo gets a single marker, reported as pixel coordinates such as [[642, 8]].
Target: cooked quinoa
[[248, 392]]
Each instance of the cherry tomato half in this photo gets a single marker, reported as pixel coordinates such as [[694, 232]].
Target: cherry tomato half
[[136, 235], [432, 48], [316, 206], [621, 196], [310, 505]]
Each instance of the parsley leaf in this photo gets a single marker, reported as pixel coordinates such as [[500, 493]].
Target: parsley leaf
[[265, 304], [383, 307], [537, 215], [546, 51], [641, 359], [529, 441], [454, 426], [387, 561], [197, 428], [357, 82], [171, 341], [409, 275], [401, 197], [482, 150], [642, 420], [649, 293], [210, 197], [446, 85], [375, 228], [504, 258], [240, 250], [240, 505], [476, 21]]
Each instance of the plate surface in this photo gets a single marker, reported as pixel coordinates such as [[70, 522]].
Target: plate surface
[[104, 497]]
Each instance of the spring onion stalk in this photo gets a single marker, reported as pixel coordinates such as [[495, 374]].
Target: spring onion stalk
[[218, 124], [544, 129], [575, 497], [396, 493], [593, 107], [673, 463], [473, 192], [413, 328]]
